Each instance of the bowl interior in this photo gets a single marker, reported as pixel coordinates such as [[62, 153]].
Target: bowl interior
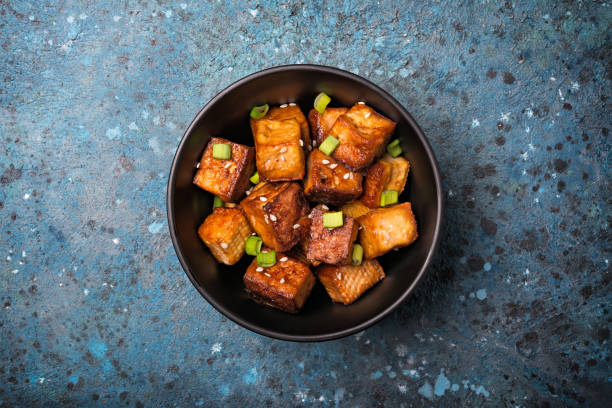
[[227, 116]]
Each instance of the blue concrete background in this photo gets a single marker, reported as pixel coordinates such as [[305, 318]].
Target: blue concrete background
[[95, 309]]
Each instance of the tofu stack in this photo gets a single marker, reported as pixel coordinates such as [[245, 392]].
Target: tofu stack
[[300, 167]]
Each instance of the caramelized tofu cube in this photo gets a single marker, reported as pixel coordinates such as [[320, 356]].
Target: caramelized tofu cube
[[284, 286], [321, 123], [279, 156], [299, 251], [355, 209], [346, 283], [363, 134], [387, 228], [225, 232], [388, 173], [228, 179], [330, 245], [278, 213], [292, 112], [328, 181]]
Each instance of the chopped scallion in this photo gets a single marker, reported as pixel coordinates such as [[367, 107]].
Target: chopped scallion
[[329, 145], [266, 259], [253, 245], [333, 219], [222, 151], [260, 111], [321, 101], [357, 255], [255, 178], [388, 197], [394, 148], [218, 202]]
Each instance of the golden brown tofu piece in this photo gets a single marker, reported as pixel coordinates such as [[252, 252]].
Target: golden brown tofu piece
[[346, 283], [228, 179], [278, 154], [292, 112], [278, 212], [355, 209], [284, 286], [387, 228], [299, 251], [225, 232], [328, 181], [363, 134], [321, 124], [388, 173], [330, 245]]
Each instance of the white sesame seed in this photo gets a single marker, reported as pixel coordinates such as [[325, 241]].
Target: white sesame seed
[[351, 176], [267, 274], [325, 161], [264, 199], [323, 206], [339, 276], [223, 245], [360, 103], [198, 166], [309, 216], [266, 218], [296, 226], [367, 115], [346, 176], [282, 280], [333, 165], [284, 259], [283, 149], [259, 269], [314, 143], [273, 217], [253, 233], [292, 104], [227, 165], [301, 143], [284, 105]]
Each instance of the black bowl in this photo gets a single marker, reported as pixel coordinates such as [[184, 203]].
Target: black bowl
[[227, 115]]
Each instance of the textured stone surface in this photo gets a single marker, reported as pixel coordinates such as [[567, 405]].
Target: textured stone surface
[[95, 310]]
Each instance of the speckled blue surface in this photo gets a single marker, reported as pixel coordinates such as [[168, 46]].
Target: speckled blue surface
[[96, 311]]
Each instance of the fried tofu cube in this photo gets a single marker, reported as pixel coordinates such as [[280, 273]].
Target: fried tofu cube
[[328, 181], [387, 228], [330, 245], [292, 112], [355, 209], [299, 251], [228, 179], [389, 173], [284, 286], [278, 212], [346, 283], [363, 134], [225, 232], [321, 123], [278, 154]]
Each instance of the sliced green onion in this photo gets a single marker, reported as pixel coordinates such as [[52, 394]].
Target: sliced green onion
[[332, 219], [357, 256], [260, 111], [329, 145], [255, 178], [218, 202], [321, 101], [266, 259], [394, 148], [253, 245], [388, 197], [222, 151]]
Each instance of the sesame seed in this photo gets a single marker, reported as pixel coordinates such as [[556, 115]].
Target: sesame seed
[[223, 245], [339, 276], [282, 280], [323, 206], [296, 226], [301, 143], [346, 176], [314, 143], [333, 165], [266, 218], [267, 274], [283, 149], [227, 165], [273, 217], [262, 198], [284, 259], [367, 115], [360, 103], [198, 166], [259, 269], [292, 104], [253, 233], [325, 161], [309, 216], [351, 176], [284, 105]]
